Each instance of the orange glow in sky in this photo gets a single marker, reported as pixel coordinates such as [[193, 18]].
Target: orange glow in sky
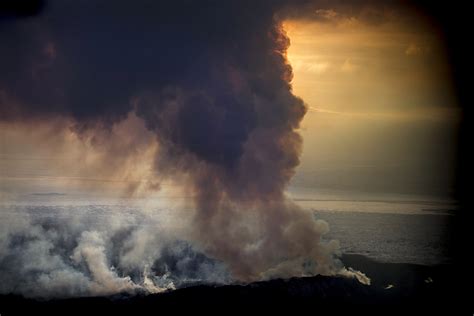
[[380, 99]]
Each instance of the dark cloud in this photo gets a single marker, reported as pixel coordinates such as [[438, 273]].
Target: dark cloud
[[20, 8], [89, 60]]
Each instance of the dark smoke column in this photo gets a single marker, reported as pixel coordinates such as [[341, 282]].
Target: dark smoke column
[[234, 134], [211, 80]]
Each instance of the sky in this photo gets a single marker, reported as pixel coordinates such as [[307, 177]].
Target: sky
[[382, 115]]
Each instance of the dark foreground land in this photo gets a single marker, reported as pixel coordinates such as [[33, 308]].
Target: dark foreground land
[[395, 289]]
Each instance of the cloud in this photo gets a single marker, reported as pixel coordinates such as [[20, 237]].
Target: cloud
[[311, 66], [416, 50], [326, 14], [349, 66]]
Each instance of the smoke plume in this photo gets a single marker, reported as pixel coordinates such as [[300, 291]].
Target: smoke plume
[[211, 80]]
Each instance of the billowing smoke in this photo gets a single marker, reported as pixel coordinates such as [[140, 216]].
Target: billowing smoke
[[54, 251], [211, 80]]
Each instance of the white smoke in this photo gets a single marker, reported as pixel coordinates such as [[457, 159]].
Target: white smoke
[[78, 251], [46, 253]]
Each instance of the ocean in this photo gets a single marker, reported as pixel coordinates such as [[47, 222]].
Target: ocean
[[393, 229]]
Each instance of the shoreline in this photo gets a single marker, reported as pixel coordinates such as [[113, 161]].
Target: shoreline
[[395, 285]]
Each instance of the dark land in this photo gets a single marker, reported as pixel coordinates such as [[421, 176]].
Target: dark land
[[396, 288]]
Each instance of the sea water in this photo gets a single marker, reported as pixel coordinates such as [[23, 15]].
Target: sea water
[[390, 228]]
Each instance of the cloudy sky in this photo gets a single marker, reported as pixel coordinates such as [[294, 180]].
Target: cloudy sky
[[382, 110], [382, 113]]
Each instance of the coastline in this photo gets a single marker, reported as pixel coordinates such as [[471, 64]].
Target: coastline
[[394, 287]]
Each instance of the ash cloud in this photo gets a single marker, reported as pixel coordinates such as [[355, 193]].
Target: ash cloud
[[210, 79]]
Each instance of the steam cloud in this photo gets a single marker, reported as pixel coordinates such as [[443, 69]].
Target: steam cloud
[[52, 251], [211, 80]]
